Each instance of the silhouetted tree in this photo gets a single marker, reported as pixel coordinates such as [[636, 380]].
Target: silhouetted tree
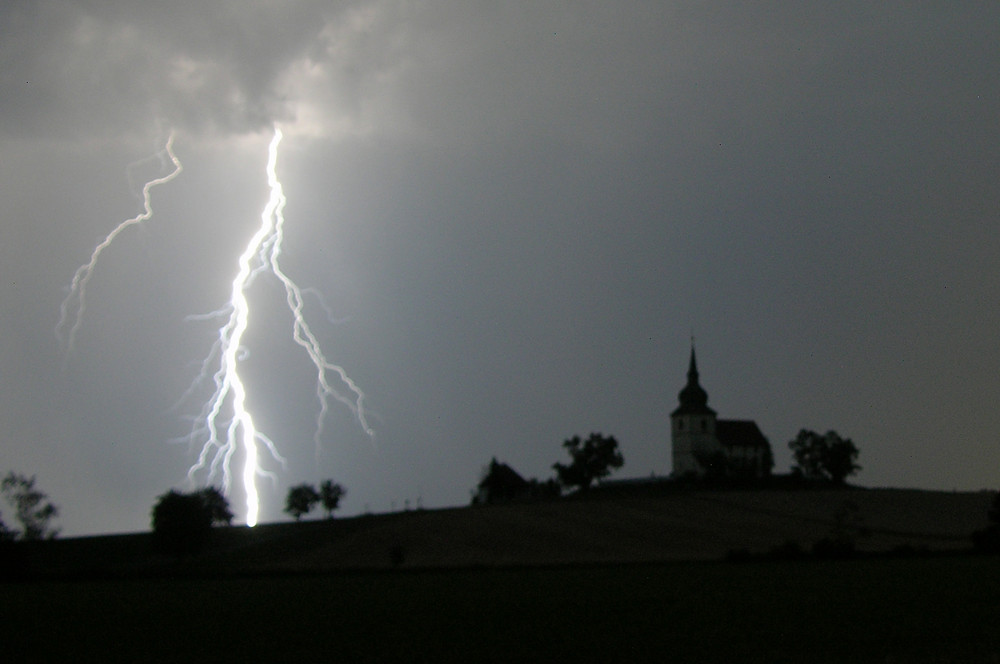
[[217, 506], [590, 460], [828, 456], [301, 499], [32, 509], [181, 522], [330, 494]]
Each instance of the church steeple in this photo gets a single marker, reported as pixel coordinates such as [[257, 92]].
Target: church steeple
[[693, 398], [693, 367]]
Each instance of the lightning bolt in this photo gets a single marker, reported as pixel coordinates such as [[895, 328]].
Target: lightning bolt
[[222, 439], [75, 303]]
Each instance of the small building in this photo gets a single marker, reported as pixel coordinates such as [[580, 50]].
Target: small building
[[703, 445], [503, 484], [500, 484]]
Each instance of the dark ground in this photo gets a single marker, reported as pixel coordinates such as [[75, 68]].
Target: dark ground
[[935, 609], [627, 577]]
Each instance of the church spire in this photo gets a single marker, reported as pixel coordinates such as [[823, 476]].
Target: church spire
[[693, 398], [693, 366]]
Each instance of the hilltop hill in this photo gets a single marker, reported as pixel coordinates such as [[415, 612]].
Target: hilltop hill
[[697, 525], [680, 525]]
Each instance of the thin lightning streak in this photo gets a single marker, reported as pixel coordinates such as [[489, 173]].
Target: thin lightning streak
[[305, 338], [78, 286], [224, 439]]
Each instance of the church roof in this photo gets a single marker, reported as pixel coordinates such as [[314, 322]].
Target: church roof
[[740, 433], [693, 398]]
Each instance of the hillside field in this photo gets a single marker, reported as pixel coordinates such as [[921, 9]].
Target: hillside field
[[677, 525], [610, 578]]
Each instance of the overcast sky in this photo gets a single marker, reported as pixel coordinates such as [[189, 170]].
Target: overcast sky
[[518, 213]]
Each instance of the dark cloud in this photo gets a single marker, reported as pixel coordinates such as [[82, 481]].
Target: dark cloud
[[102, 68]]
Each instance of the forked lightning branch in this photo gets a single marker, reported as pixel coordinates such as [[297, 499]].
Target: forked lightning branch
[[225, 429]]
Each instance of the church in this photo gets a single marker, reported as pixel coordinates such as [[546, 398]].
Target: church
[[705, 446]]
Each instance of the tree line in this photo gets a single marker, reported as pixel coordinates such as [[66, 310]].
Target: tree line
[[590, 461], [302, 498], [820, 457], [182, 522]]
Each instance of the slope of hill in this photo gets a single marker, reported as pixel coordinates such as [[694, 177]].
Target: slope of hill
[[681, 525]]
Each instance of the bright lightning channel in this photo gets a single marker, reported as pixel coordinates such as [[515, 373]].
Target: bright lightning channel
[[75, 302], [223, 439]]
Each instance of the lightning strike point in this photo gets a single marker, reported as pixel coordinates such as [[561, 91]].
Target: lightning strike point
[[261, 255]]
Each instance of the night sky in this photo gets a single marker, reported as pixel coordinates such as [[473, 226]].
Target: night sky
[[517, 214]]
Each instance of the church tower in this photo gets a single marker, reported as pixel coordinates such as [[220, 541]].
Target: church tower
[[693, 428]]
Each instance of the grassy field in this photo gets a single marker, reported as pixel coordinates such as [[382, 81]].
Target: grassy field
[[676, 526], [936, 609]]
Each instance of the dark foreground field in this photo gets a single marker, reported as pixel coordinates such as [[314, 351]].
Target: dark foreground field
[[934, 609], [634, 577]]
